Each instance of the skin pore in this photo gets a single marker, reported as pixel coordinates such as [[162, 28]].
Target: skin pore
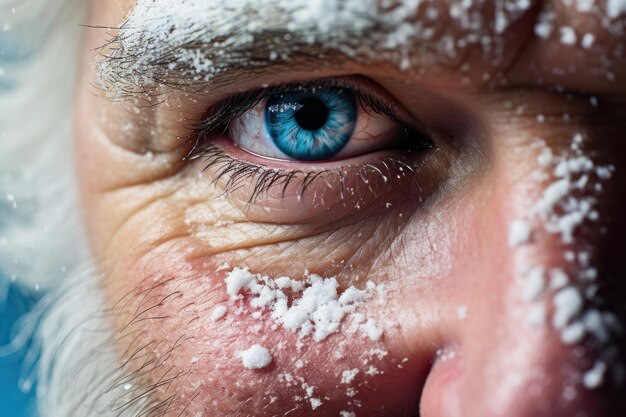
[[165, 213]]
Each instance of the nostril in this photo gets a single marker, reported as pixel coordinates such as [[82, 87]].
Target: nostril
[[441, 394]]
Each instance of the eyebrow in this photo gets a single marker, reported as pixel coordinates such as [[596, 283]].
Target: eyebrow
[[207, 42], [198, 61], [202, 44]]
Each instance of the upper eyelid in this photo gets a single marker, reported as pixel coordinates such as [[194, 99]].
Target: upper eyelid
[[220, 113]]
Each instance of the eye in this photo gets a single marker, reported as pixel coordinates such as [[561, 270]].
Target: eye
[[296, 152], [317, 122], [311, 125]]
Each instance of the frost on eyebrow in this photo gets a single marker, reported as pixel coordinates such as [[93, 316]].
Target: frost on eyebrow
[[197, 40]]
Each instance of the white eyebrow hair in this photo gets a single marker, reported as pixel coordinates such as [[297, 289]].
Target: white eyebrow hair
[[196, 41]]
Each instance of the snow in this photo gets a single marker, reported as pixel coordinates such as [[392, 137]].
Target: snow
[[594, 377], [570, 182], [519, 232], [574, 333], [315, 403], [534, 284], [560, 211], [543, 29], [398, 28], [237, 280], [348, 375], [554, 193], [588, 40], [256, 357], [568, 35], [584, 6], [219, 312], [615, 8], [372, 331], [558, 279], [545, 158], [568, 303], [600, 324], [314, 307]]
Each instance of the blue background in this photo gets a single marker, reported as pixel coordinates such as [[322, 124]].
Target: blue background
[[13, 304]]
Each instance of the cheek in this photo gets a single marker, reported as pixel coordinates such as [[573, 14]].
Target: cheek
[[173, 335], [161, 250]]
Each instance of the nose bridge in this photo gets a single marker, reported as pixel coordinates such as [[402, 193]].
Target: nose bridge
[[551, 347]]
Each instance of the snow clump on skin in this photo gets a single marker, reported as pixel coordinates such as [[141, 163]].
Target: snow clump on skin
[[257, 357], [219, 312], [566, 205], [313, 307], [519, 233]]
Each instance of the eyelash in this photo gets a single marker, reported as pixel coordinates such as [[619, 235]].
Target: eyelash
[[239, 173]]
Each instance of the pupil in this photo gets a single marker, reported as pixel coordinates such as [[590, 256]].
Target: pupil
[[313, 114]]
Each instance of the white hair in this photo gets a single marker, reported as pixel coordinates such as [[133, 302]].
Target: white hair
[[40, 237], [78, 370], [73, 361]]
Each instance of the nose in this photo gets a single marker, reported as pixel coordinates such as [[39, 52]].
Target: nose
[[505, 370], [542, 337]]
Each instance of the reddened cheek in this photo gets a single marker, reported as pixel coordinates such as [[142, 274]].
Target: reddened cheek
[[237, 351]]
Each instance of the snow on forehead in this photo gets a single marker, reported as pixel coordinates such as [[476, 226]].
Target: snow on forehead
[[188, 11]]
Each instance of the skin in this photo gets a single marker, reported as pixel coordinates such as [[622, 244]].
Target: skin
[[437, 249]]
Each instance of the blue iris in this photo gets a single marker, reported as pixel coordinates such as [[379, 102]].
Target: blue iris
[[311, 124]]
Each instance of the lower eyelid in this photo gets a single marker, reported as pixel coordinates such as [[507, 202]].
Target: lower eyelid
[[245, 156], [273, 194]]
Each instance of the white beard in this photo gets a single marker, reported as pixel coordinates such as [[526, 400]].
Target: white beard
[[77, 371]]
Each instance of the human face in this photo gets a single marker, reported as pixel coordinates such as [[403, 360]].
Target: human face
[[480, 196]]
